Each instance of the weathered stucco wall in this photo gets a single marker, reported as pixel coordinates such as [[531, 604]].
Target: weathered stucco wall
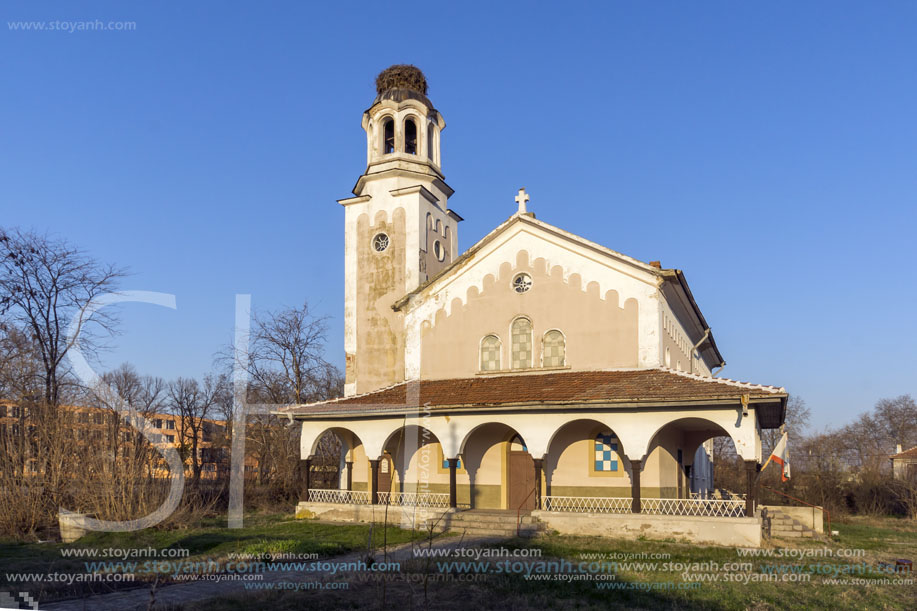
[[600, 332], [661, 467], [437, 228], [379, 359]]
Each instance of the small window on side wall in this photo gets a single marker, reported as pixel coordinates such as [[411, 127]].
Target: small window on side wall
[[554, 349], [388, 137], [490, 353], [410, 137]]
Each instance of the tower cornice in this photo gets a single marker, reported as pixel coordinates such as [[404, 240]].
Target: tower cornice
[[434, 177]]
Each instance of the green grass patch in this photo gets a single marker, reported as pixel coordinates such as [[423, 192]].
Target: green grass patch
[[211, 540], [648, 586]]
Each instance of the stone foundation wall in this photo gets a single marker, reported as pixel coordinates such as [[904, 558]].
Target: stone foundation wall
[[404, 517], [739, 532]]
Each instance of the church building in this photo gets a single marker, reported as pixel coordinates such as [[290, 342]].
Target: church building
[[535, 373]]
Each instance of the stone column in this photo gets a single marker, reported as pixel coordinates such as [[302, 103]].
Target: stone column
[[635, 466], [349, 464], [374, 481], [306, 478], [539, 464], [751, 474], [453, 496]]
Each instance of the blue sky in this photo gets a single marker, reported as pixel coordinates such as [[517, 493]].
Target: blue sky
[[769, 150]]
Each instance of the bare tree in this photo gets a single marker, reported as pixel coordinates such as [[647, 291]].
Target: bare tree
[[286, 365], [898, 421], [193, 403], [795, 423], [19, 365], [44, 285], [286, 361], [142, 394]]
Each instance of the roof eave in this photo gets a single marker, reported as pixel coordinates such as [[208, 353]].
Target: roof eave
[[679, 276], [396, 410]]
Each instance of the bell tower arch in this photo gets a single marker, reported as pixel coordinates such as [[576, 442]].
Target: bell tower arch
[[399, 230]]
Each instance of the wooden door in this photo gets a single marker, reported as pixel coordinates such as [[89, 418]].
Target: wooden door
[[385, 474], [521, 480]]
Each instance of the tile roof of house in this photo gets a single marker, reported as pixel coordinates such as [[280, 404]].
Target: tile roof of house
[[912, 453], [621, 387]]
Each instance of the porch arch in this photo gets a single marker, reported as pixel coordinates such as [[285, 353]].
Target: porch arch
[[696, 431], [351, 462], [414, 450], [569, 464], [671, 453], [638, 433], [310, 439], [499, 466]]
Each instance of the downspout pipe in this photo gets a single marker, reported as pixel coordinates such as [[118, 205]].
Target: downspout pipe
[[697, 345]]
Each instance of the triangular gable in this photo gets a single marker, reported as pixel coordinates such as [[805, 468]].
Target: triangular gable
[[549, 232], [671, 282]]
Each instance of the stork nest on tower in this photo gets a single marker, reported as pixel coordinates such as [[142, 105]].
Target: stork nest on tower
[[401, 76]]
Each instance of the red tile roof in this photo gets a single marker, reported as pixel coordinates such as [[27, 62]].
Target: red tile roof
[[912, 453], [645, 386]]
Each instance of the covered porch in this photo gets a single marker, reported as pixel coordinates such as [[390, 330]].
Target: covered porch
[[593, 443]]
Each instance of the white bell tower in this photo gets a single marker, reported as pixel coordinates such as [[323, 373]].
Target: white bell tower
[[399, 230]]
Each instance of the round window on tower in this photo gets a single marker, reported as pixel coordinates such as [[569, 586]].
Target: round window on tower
[[380, 242], [439, 251], [522, 283]]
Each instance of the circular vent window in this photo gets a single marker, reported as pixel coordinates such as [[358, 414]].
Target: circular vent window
[[522, 283], [380, 242], [439, 251]]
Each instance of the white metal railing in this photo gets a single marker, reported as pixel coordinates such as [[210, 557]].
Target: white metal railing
[[587, 504], [415, 499], [727, 508], [731, 508], [347, 497], [719, 495]]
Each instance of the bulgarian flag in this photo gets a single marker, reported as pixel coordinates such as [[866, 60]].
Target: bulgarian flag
[[781, 456]]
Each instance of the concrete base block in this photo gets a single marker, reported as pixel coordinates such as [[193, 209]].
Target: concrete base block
[[417, 518], [810, 517], [72, 526], [738, 532]]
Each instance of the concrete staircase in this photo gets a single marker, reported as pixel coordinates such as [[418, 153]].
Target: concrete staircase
[[493, 522], [785, 527]]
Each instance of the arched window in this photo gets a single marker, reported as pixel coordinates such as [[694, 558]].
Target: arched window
[[388, 136], [606, 452], [430, 135], [490, 353], [410, 137], [522, 343], [554, 353]]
